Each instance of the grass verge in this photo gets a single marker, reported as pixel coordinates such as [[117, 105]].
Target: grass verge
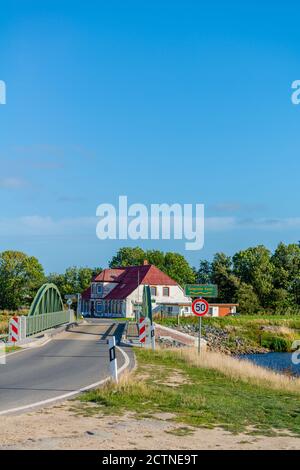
[[173, 382]]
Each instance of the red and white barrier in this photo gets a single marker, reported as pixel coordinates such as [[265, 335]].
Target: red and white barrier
[[15, 329], [142, 330]]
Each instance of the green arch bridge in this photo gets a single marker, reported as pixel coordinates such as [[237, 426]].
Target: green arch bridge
[[46, 311]]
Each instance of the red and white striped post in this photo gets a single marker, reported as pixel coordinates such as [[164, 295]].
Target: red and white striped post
[[142, 330], [15, 329]]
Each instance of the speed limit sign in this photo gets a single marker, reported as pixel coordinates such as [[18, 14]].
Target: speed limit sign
[[200, 307]]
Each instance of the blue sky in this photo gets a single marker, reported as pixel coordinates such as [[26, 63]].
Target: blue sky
[[175, 101]]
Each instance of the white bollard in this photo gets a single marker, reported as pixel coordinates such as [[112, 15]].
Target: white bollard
[[152, 329], [2, 353], [113, 358]]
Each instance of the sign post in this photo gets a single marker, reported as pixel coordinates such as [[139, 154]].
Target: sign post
[[69, 302], [200, 308]]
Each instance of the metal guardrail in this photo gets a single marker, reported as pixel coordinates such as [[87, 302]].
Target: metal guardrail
[[37, 323]]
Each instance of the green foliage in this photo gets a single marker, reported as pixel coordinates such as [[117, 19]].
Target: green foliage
[[247, 299], [74, 280], [178, 268], [128, 256], [256, 279], [222, 275], [173, 264], [204, 274], [20, 278], [275, 343], [254, 266], [286, 260]]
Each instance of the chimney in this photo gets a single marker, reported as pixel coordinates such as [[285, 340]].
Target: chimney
[[145, 262]]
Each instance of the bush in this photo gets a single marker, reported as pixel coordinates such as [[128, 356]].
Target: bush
[[275, 343]]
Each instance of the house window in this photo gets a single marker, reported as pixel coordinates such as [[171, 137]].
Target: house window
[[99, 307], [166, 291], [153, 291], [99, 289]]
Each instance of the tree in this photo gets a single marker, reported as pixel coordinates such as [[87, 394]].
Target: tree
[[286, 261], [254, 267], [247, 299], [156, 257], [177, 267], [74, 280], [173, 264], [203, 275], [128, 256], [222, 275], [20, 278], [282, 301]]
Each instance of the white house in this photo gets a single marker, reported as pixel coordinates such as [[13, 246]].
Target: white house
[[118, 292]]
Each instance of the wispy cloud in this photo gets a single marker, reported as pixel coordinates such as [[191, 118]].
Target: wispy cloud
[[235, 206], [220, 224], [13, 183], [36, 225]]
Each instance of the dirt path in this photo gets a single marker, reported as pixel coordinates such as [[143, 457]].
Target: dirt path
[[61, 427]]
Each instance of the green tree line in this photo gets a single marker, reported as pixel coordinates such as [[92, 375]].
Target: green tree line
[[256, 278]]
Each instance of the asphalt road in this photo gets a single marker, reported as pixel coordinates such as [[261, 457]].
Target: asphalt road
[[72, 360]]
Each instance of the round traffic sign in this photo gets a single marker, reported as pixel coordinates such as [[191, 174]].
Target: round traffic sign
[[200, 307]]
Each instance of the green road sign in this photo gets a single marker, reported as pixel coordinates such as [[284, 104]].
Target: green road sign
[[201, 290]]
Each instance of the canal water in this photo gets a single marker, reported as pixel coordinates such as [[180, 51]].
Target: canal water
[[280, 362]]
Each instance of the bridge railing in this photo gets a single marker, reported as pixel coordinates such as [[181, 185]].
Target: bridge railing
[[22, 327], [37, 323]]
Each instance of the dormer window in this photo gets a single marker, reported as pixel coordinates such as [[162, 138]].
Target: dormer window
[[99, 289]]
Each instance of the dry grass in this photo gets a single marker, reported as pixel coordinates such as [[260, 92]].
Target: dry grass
[[235, 369], [232, 395], [240, 369], [3, 326]]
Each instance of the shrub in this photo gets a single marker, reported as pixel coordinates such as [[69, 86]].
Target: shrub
[[275, 343]]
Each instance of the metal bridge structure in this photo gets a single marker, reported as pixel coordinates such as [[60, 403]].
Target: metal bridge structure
[[47, 300], [46, 312]]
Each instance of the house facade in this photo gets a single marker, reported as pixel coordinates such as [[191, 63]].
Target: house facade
[[118, 292]]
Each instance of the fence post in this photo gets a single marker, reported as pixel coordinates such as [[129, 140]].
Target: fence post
[[23, 325], [113, 358]]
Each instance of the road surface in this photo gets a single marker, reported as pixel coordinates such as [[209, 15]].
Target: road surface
[[72, 360]]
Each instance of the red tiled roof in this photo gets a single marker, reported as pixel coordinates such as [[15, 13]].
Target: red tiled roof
[[156, 277], [109, 275], [86, 295], [128, 279]]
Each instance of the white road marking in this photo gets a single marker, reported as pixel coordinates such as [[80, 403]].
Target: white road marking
[[29, 348], [70, 394]]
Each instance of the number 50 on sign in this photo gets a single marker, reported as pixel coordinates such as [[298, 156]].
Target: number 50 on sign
[[200, 307]]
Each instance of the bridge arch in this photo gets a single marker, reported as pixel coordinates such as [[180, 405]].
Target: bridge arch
[[47, 300]]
